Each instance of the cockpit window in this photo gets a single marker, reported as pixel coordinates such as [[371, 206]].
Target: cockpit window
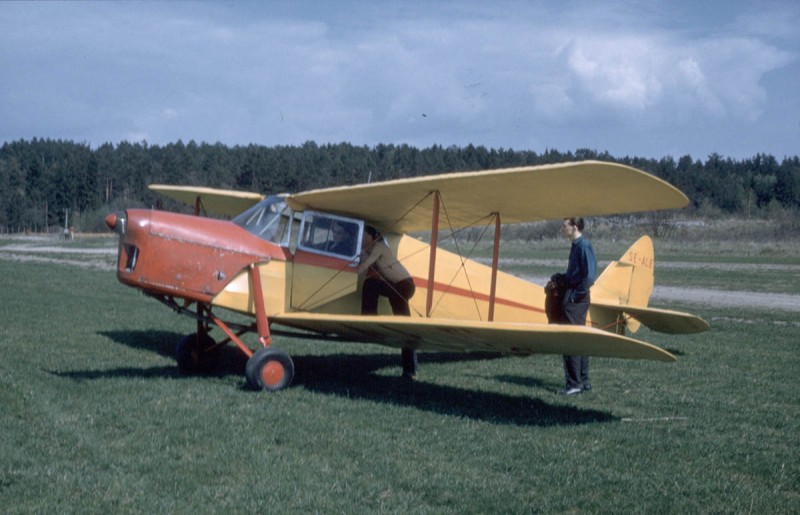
[[330, 234], [268, 219]]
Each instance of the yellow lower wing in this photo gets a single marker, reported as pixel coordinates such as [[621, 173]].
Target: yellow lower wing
[[460, 335]]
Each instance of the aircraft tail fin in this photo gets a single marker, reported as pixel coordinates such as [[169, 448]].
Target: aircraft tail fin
[[626, 282], [622, 292]]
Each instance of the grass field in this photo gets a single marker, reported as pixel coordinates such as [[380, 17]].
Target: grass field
[[95, 418]]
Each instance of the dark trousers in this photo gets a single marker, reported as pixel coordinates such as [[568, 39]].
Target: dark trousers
[[409, 359], [398, 294], [576, 368]]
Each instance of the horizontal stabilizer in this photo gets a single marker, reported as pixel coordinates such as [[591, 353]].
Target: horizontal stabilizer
[[221, 202], [465, 336], [661, 320]]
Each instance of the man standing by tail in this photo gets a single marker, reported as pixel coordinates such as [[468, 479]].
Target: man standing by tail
[[580, 276]]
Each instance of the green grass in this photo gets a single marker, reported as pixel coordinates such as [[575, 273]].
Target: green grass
[[95, 418]]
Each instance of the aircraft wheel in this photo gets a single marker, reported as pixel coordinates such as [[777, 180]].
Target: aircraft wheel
[[193, 354], [269, 369]]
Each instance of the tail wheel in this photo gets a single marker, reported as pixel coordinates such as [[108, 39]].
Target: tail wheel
[[195, 354], [269, 369]]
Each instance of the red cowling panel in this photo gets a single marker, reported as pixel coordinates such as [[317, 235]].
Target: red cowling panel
[[187, 256]]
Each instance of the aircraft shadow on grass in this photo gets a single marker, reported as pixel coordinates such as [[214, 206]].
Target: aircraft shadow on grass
[[354, 376]]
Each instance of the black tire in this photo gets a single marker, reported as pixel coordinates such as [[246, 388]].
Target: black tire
[[196, 355], [269, 369]]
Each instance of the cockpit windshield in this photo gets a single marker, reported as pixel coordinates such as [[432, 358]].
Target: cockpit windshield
[[268, 219]]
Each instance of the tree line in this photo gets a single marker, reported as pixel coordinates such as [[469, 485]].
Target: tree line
[[45, 182]]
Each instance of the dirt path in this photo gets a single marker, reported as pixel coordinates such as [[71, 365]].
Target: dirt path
[[99, 258], [103, 258], [734, 299], [673, 265]]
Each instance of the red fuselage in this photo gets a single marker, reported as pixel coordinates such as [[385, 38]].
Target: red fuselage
[[185, 256]]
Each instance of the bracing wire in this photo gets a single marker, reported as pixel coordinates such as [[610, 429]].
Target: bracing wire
[[342, 268], [463, 259]]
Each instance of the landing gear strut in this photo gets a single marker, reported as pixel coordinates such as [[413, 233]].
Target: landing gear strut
[[196, 354], [267, 368]]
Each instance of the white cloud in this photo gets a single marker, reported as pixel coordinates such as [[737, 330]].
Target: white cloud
[[618, 72], [498, 76], [659, 75], [735, 68]]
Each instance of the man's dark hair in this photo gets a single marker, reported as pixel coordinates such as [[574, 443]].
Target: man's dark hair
[[375, 233], [577, 222]]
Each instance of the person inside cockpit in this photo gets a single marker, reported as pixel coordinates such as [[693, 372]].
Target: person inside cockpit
[[342, 241]]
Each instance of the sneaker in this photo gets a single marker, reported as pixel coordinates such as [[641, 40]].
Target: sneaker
[[410, 376], [571, 391], [587, 387]]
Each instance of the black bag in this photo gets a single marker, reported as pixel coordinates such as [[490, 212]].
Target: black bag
[[554, 299]]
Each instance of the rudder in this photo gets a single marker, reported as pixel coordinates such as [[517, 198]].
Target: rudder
[[626, 282]]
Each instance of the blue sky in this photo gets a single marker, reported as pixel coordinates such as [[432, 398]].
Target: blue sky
[[636, 78]]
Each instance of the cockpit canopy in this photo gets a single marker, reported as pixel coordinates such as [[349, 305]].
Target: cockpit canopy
[[313, 231], [268, 219]]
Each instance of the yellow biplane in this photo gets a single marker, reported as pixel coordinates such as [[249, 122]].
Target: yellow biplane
[[273, 260]]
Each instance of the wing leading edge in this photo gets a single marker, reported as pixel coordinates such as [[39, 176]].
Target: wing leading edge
[[460, 335], [223, 202], [526, 194]]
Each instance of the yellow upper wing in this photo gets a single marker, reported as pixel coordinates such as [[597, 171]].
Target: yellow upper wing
[[526, 194], [223, 202], [462, 335]]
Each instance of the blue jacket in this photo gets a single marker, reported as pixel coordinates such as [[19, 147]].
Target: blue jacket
[[581, 269]]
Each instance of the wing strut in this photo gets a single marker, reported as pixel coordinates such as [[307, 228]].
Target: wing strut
[[198, 205], [258, 298], [495, 259], [434, 242]]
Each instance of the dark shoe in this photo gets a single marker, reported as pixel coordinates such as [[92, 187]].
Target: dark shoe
[[587, 387], [571, 391], [409, 376]]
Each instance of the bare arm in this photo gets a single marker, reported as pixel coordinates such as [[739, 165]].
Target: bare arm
[[370, 260]]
